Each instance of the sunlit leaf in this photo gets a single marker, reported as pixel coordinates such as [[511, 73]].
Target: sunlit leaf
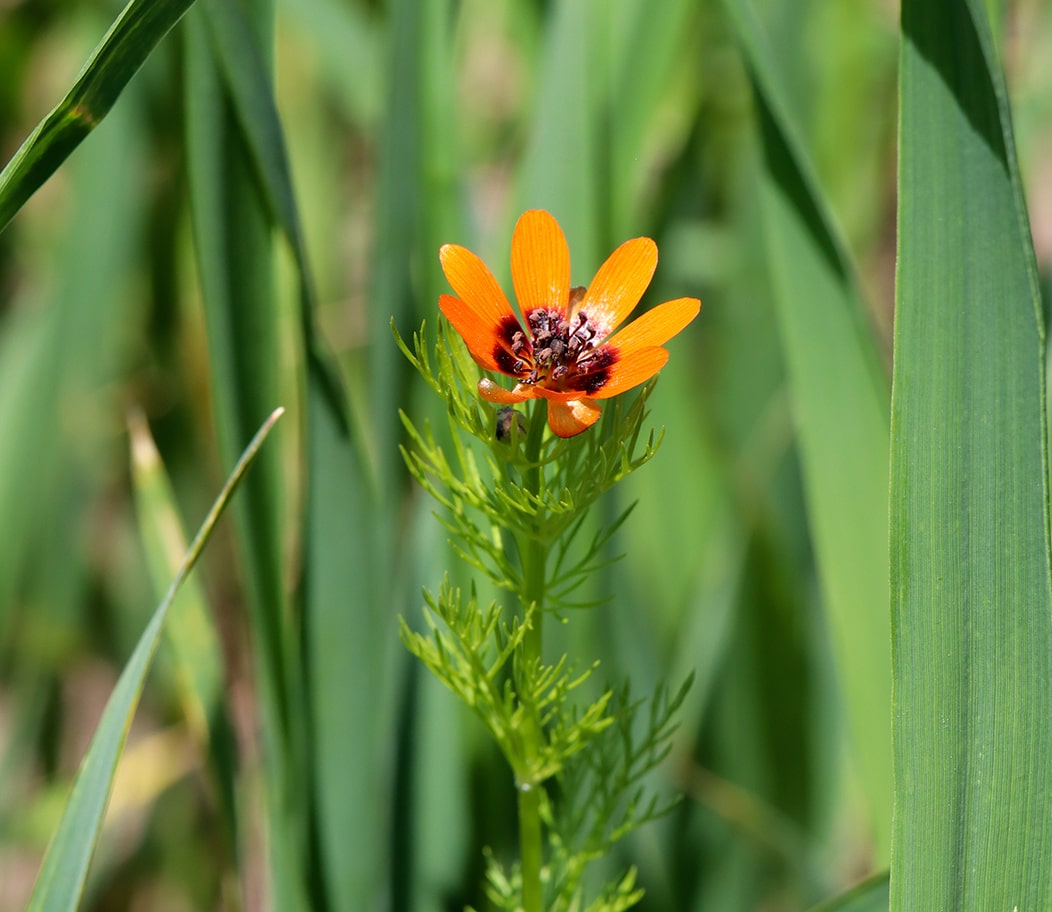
[[970, 570]]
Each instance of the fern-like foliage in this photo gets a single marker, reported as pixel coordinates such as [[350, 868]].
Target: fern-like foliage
[[503, 501]]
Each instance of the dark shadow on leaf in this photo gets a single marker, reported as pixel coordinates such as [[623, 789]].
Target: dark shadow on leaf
[[944, 34], [782, 166]]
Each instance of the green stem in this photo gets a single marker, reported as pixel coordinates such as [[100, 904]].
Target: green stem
[[534, 553], [530, 848]]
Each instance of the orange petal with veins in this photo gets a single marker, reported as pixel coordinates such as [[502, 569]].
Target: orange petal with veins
[[619, 284], [484, 307], [474, 284], [636, 369], [483, 339], [655, 327], [540, 262]]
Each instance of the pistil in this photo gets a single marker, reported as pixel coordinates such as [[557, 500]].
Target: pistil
[[558, 345]]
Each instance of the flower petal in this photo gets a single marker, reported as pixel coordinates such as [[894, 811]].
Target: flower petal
[[489, 343], [492, 392], [569, 418], [619, 284], [655, 327], [474, 283], [540, 262], [639, 367]]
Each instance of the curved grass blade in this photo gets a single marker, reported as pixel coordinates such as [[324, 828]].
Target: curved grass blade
[[840, 400], [970, 566], [194, 642], [248, 324], [197, 666], [60, 882], [124, 48], [243, 68]]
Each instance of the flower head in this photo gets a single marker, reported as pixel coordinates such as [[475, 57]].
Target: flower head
[[568, 347]]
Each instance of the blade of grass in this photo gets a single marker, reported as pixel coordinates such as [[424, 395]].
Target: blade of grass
[[565, 117], [194, 642], [62, 343], [247, 333], [646, 50], [60, 882], [346, 627], [118, 57], [340, 546], [190, 631], [840, 399], [972, 598], [243, 68], [397, 229]]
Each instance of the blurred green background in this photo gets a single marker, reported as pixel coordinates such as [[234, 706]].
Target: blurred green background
[[150, 276]]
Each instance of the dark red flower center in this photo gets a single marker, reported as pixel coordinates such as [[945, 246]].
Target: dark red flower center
[[555, 352]]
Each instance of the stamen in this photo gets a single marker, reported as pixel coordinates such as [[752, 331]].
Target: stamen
[[561, 348]]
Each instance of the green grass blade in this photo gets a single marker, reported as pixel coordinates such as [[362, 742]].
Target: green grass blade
[[64, 871], [231, 235], [646, 50], [346, 626], [401, 207], [245, 75], [194, 642], [59, 355], [247, 328], [972, 600], [565, 117], [840, 400], [244, 72], [120, 54]]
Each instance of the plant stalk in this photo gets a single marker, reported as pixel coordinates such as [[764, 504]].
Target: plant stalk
[[534, 553]]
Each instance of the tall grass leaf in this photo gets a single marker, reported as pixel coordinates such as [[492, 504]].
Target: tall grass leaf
[[120, 54], [59, 357], [970, 567], [414, 212], [341, 619], [840, 399], [194, 641], [248, 336], [62, 343], [346, 625], [60, 882], [235, 269], [559, 171], [191, 634], [646, 50], [243, 67], [430, 807]]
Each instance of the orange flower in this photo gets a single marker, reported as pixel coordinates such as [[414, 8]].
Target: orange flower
[[566, 350]]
